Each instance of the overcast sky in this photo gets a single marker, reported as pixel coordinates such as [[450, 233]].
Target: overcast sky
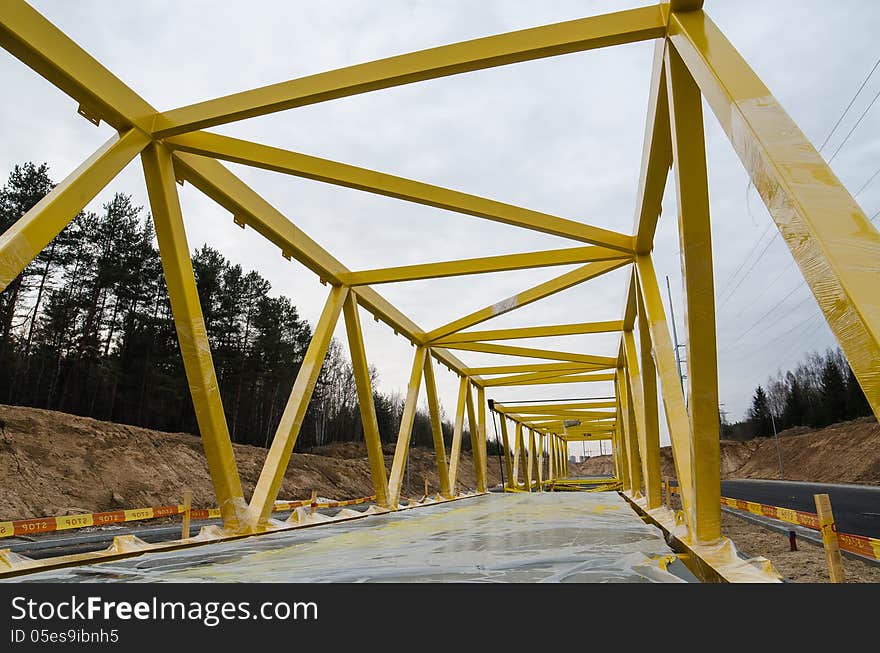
[[561, 135]]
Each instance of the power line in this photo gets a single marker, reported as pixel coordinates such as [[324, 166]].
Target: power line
[[773, 308], [858, 122], [749, 271], [848, 106], [767, 287]]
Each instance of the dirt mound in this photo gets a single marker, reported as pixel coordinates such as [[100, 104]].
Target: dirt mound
[[55, 464], [848, 452]]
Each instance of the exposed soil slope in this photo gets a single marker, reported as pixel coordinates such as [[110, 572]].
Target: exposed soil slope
[[54, 464], [848, 452]]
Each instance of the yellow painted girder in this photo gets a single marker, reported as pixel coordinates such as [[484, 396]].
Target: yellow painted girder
[[587, 360], [830, 237], [533, 294], [436, 428], [503, 263], [361, 372], [457, 430], [192, 335], [340, 174], [671, 392], [497, 50], [278, 458], [534, 332], [25, 239], [526, 378], [656, 156], [574, 378], [538, 408], [695, 241], [649, 448], [566, 414], [401, 450], [230, 192], [530, 367]]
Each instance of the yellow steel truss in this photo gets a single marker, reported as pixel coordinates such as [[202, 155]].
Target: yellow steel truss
[[692, 60]]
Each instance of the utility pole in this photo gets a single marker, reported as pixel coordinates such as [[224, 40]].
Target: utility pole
[[675, 340], [776, 437]]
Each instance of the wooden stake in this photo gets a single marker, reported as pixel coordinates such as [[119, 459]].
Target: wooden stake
[[187, 511], [426, 487], [829, 538]]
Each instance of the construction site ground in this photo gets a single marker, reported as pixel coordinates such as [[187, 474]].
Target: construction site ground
[[65, 464]]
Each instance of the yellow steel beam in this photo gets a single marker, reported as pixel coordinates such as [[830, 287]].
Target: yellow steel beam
[[341, 174], [361, 372], [585, 415], [505, 439], [695, 237], [27, 35], [627, 419], [539, 408], [498, 50], [677, 420], [520, 452], [533, 332], [648, 445], [21, 243], [533, 294], [221, 185], [436, 428], [574, 378], [401, 450], [483, 265], [474, 425], [482, 471], [651, 456], [537, 475], [833, 242], [589, 361], [530, 460], [529, 367], [278, 458], [457, 431], [191, 333], [656, 156], [527, 378]]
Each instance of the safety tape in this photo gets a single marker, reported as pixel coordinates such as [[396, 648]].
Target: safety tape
[[50, 524], [864, 546]]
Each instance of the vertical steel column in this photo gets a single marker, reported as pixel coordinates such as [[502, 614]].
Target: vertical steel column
[[191, 332], [534, 464], [521, 447], [508, 467], [650, 460], [361, 371], [622, 440], [401, 450], [436, 427], [695, 235], [651, 455], [482, 472], [517, 438], [278, 458]]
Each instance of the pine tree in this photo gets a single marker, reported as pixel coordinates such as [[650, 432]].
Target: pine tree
[[759, 414], [833, 401]]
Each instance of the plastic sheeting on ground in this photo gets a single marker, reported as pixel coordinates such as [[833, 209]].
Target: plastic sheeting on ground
[[570, 537]]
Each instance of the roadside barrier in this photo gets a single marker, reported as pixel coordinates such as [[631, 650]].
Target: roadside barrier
[[67, 522], [868, 547]]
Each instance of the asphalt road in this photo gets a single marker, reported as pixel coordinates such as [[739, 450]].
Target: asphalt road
[[856, 507]]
